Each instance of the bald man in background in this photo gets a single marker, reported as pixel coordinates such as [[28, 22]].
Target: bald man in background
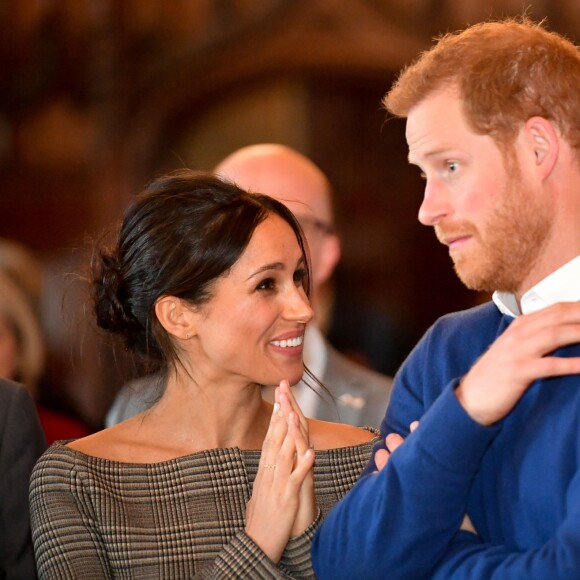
[[298, 183], [359, 396]]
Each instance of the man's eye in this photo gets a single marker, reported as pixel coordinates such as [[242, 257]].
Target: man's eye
[[266, 284], [453, 166]]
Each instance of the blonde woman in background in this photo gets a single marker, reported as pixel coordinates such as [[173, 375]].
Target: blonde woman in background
[[22, 348]]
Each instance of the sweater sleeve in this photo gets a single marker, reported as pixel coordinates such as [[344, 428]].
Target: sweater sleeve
[[66, 541], [402, 519], [296, 559], [242, 558], [468, 557]]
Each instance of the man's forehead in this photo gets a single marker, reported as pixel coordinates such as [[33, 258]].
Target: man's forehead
[[431, 124], [296, 183]]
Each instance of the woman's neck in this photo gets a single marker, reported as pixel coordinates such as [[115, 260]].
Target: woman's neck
[[193, 417]]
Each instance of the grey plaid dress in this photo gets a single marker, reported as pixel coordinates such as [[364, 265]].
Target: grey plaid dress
[[182, 518]]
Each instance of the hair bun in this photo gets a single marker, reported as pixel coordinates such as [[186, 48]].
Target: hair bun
[[110, 296]]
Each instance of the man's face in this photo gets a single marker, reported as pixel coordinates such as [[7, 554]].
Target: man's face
[[492, 219]]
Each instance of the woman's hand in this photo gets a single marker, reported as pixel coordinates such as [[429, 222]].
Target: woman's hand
[[276, 497], [308, 509]]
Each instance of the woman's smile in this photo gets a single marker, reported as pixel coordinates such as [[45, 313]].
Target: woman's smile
[[263, 300]]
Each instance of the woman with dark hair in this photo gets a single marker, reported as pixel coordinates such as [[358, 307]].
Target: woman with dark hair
[[210, 284]]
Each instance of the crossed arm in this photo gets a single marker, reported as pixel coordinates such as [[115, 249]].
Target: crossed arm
[[406, 520]]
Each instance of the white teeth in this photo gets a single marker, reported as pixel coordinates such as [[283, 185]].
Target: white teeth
[[289, 342]]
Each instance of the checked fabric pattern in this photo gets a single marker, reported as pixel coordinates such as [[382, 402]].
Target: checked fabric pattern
[[182, 518]]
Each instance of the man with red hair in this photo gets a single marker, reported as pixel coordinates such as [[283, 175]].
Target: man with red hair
[[488, 484]]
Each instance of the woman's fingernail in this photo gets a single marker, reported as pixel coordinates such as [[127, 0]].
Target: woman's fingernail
[[276, 407]]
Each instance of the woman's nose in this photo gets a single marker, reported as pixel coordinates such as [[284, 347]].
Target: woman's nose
[[298, 307]]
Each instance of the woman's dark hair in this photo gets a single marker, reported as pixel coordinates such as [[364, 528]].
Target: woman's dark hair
[[183, 232]]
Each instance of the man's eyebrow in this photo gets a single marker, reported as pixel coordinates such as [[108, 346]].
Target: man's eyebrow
[[432, 153]]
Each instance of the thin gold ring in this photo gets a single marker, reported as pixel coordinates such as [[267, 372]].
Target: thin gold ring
[[269, 466]]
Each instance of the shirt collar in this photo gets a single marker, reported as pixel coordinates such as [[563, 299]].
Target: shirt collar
[[563, 285]]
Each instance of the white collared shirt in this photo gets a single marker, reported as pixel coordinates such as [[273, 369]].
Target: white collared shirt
[[563, 285]]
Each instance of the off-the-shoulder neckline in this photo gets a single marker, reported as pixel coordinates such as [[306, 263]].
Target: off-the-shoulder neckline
[[226, 451]]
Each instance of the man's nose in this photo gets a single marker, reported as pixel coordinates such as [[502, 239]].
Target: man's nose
[[435, 205]]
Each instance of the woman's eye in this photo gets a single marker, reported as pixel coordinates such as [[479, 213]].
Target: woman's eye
[[452, 166], [266, 284], [299, 276]]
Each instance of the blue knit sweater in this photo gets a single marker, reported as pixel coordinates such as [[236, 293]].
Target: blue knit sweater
[[518, 480]]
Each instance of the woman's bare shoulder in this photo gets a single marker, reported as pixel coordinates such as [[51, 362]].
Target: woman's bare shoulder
[[326, 435], [122, 442], [103, 444]]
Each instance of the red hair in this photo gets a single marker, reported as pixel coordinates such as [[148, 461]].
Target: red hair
[[505, 73]]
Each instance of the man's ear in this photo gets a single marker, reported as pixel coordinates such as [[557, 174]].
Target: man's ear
[[175, 316], [544, 144], [329, 257]]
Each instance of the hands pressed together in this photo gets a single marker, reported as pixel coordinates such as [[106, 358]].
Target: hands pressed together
[[282, 504]]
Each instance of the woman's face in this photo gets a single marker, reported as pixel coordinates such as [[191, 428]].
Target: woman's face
[[9, 350], [252, 328]]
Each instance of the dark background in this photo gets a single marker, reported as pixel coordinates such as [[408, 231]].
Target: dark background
[[99, 96]]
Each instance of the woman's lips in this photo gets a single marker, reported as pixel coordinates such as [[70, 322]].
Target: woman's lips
[[290, 344]]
